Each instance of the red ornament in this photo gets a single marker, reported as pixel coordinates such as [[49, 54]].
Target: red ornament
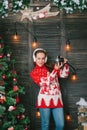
[[17, 99], [15, 88], [1, 101], [18, 117], [1, 56], [4, 76]]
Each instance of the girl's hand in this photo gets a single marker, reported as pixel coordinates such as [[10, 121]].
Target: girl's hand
[[65, 60], [58, 66]]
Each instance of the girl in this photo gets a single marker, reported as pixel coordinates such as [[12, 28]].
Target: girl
[[49, 98]]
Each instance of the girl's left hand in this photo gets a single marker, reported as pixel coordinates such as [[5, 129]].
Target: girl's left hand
[[58, 66]]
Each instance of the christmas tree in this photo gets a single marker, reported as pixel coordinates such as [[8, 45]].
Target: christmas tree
[[12, 112]]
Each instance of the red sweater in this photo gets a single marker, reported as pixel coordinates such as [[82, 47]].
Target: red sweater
[[49, 95]]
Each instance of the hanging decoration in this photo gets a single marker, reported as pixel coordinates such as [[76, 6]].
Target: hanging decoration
[[42, 13], [14, 6]]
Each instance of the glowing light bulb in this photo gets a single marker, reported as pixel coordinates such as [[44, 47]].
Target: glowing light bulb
[[74, 77], [34, 44], [37, 114], [67, 47], [15, 37], [68, 117]]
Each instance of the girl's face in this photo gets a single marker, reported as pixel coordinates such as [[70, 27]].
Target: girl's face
[[40, 59]]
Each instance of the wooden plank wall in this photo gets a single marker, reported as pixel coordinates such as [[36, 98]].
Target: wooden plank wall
[[49, 35]]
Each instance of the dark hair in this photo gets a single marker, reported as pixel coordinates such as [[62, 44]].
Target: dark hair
[[40, 51]]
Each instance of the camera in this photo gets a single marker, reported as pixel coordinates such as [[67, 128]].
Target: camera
[[59, 60]]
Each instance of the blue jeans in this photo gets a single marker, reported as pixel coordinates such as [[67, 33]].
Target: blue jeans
[[58, 117]]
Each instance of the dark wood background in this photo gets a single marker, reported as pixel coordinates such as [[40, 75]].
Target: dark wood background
[[51, 34]]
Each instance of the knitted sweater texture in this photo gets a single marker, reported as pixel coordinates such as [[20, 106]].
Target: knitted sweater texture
[[49, 95]]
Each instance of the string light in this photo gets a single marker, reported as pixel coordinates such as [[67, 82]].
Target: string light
[[37, 113], [68, 117], [74, 77], [34, 43], [73, 71], [15, 37], [68, 45]]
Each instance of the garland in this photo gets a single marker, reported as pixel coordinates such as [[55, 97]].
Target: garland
[[70, 5], [14, 6]]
